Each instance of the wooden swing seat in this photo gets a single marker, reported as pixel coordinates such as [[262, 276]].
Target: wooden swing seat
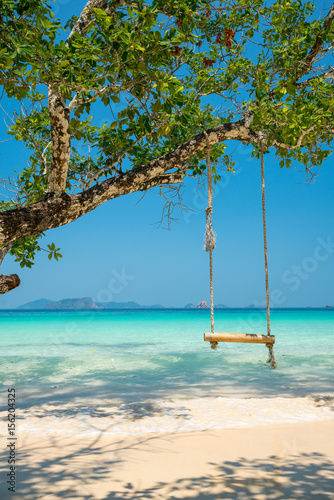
[[247, 338]]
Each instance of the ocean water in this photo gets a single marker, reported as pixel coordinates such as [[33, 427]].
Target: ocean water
[[139, 371]]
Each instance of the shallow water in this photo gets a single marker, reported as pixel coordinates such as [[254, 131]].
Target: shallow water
[[96, 365]]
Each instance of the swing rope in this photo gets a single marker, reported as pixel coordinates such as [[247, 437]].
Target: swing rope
[[271, 358], [210, 237], [210, 243]]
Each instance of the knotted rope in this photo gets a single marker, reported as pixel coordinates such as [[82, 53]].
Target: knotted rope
[[210, 237], [271, 358]]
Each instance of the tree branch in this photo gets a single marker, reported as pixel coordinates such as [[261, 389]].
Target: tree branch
[[3, 252], [61, 142], [85, 17], [316, 49], [87, 14], [299, 142], [9, 282], [96, 175], [324, 76], [54, 211], [75, 102], [164, 180]]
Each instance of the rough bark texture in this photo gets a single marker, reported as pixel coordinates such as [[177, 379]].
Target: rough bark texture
[[61, 143], [9, 282], [3, 252], [87, 14], [58, 210]]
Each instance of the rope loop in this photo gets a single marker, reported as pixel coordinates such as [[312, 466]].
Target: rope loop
[[210, 237], [271, 359]]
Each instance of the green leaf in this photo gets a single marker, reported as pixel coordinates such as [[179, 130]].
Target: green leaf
[[156, 106], [115, 98]]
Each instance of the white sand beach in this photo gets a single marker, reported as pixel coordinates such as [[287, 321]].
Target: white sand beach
[[294, 461]]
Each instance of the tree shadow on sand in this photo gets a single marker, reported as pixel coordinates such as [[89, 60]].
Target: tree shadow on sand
[[80, 474], [301, 477]]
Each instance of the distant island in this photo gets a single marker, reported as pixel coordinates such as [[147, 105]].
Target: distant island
[[35, 304], [87, 303], [83, 304], [202, 305]]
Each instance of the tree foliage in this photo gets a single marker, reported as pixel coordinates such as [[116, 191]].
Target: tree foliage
[[165, 71]]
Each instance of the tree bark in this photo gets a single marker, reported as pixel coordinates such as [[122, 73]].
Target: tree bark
[[87, 14], [9, 282], [3, 252], [317, 46], [61, 143]]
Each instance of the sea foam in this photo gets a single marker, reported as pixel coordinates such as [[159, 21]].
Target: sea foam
[[179, 415]]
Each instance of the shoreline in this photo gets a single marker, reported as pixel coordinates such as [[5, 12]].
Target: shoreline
[[279, 461], [165, 415]]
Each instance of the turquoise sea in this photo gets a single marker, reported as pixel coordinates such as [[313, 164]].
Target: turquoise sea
[[138, 370]]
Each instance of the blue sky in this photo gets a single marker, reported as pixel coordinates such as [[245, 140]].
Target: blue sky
[[118, 252]]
